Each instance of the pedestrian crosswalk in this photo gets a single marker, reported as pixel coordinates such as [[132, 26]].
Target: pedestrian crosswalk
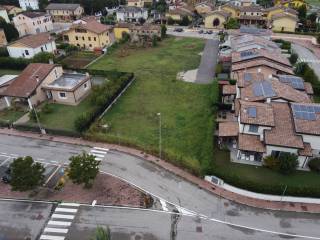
[[60, 221], [99, 153]]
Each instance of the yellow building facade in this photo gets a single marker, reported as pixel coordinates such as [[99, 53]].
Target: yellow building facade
[[216, 19], [119, 29], [290, 3], [284, 22], [233, 10]]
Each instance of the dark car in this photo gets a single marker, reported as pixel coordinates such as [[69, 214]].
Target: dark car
[[178, 30], [7, 176], [200, 31], [209, 32]]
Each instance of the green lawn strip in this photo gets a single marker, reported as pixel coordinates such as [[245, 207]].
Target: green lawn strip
[[186, 119], [9, 72], [264, 180], [11, 115]]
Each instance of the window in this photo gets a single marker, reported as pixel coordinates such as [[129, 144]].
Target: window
[[26, 52], [253, 128], [77, 38], [89, 38], [85, 86], [90, 45], [275, 154], [95, 39], [83, 38], [62, 95]]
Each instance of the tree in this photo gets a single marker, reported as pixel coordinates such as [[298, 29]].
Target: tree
[[101, 234], [9, 30], [302, 13], [271, 162], [185, 21], [314, 164], [293, 58], [42, 57], [170, 21], [232, 23], [26, 174], [163, 31], [141, 20], [83, 169], [288, 162], [43, 4], [154, 40]]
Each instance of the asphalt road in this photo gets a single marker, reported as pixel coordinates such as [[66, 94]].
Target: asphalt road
[[169, 187], [307, 56], [208, 62], [20, 220]]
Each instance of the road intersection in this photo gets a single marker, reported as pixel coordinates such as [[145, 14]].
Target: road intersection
[[175, 194]]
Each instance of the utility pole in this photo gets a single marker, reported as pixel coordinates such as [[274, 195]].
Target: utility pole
[[160, 144]]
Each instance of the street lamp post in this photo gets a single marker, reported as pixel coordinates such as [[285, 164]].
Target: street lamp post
[[160, 144]]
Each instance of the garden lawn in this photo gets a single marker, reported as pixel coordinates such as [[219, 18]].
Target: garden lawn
[[184, 107], [9, 72], [63, 116], [10, 115], [78, 59]]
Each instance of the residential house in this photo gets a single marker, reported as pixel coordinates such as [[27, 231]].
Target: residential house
[[203, 8], [65, 12], [177, 14], [249, 42], [32, 23], [251, 15], [29, 4], [232, 9], [3, 39], [30, 45], [4, 14], [216, 19], [284, 22], [90, 36], [131, 14], [245, 3], [11, 10], [120, 28], [148, 30], [270, 12], [39, 82], [135, 3]]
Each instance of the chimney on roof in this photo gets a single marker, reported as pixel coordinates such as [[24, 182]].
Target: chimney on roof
[[37, 78], [268, 100], [259, 70], [270, 76]]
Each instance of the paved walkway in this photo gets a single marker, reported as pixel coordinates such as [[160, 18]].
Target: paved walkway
[[208, 62], [236, 197]]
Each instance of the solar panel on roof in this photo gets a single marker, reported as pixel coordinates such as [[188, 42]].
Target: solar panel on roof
[[305, 112], [267, 89], [316, 109], [252, 112], [257, 89]]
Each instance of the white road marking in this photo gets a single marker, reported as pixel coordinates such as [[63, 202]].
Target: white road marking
[[62, 216], [98, 151], [5, 161], [68, 210], [103, 149], [56, 230], [48, 237], [59, 223], [164, 205], [70, 204], [51, 176], [97, 155]]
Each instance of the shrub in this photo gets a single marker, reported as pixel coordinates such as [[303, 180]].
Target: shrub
[[219, 68], [42, 57], [185, 21], [4, 52], [170, 21], [288, 162], [271, 162], [232, 23], [47, 108], [314, 164], [13, 63], [232, 81], [293, 58]]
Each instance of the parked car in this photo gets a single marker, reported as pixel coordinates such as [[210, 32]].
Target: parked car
[[178, 30], [200, 31], [209, 32], [7, 176]]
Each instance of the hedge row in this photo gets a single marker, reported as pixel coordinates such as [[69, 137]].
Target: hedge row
[[101, 97]]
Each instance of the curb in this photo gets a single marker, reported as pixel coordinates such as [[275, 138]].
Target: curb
[[201, 183]]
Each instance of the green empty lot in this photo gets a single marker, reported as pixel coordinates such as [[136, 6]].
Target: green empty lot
[[184, 107]]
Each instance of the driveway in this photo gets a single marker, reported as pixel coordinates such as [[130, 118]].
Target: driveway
[[206, 70], [305, 55]]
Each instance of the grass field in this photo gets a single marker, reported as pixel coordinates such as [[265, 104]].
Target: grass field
[[79, 59], [10, 115], [184, 107]]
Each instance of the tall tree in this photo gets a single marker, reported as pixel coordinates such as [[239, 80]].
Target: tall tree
[[9, 30], [83, 169], [26, 174]]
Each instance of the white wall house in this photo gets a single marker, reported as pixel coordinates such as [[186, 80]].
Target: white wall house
[[26, 4], [31, 45], [131, 14], [32, 23]]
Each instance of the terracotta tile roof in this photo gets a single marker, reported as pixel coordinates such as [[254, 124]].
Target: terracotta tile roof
[[180, 11], [26, 83], [307, 151], [264, 113], [34, 14], [280, 90], [251, 8], [246, 78], [256, 54], [236, 107], [219, 12], [285, 15], [308, 88], [93, 26], [311, 127], [260, 62], [229, 90], [34, 41], [283, 133], [228, 129], [62, 6], [251, 143], [251, 40]]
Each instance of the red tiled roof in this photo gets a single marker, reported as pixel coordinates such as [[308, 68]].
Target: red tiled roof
[[264, 113], [93, 26], [228, 129], [307, 151], [35, 41], [311, 127], [26, 83], [251, 143], [229, 90], [283, 133]]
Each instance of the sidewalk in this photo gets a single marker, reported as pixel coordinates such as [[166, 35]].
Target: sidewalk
[[201, 183]]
